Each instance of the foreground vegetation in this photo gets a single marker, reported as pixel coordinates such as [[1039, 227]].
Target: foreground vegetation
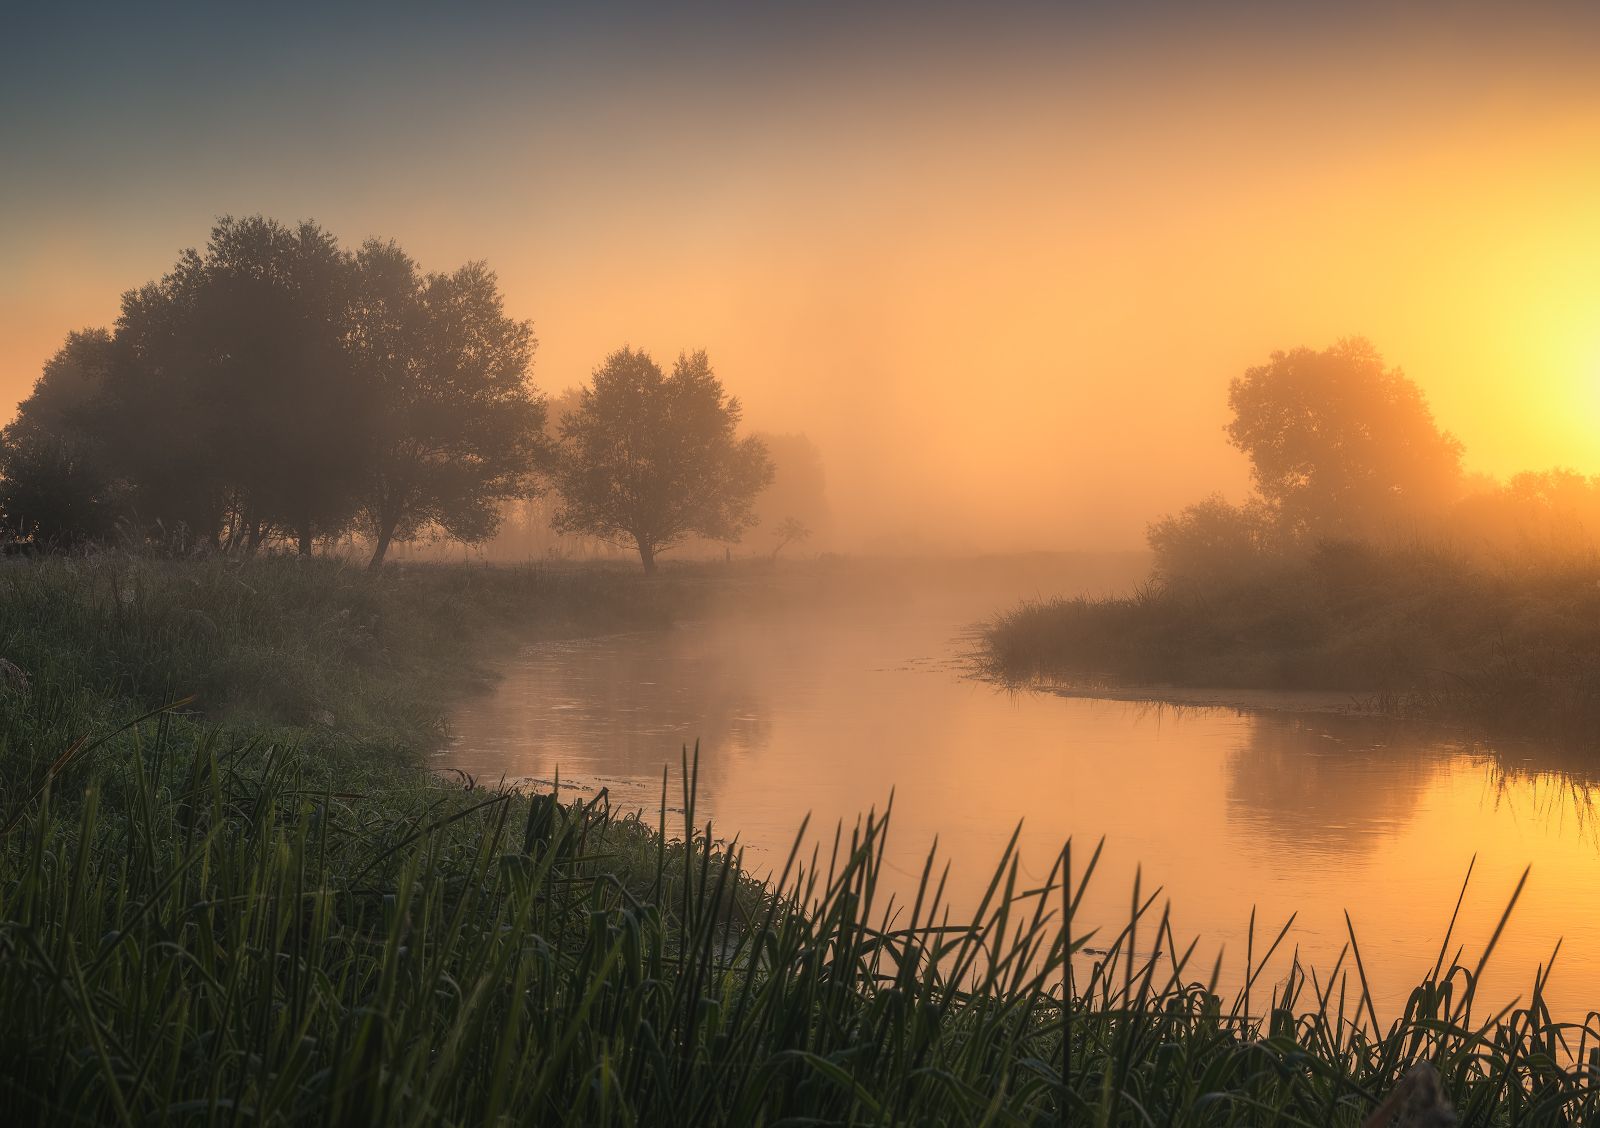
[[256, 914]]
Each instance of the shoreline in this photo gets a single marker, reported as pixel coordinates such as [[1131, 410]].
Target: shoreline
[[1316, 702]]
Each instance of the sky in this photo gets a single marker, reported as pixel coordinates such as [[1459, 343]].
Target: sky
[[999, 261]]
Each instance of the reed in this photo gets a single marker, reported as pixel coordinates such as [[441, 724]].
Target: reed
[[1408, 630], [222, 911], [196, 928]]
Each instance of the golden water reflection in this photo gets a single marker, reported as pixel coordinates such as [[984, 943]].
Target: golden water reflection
[[828, 713]]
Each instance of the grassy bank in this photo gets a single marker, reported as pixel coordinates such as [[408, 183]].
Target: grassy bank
[[1411, 631], [314, 645], [257, 914]]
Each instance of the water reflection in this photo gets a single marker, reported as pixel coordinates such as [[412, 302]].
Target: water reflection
[[828, 713], [1328, 784], [612, 711]]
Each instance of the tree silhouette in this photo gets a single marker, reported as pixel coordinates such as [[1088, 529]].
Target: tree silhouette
[[459, 430], [1211, 540], [275, 385], [799, 488], [791, 531], [648, 459], [237, 402], [55, 488], [1339, 445], [54, 492]]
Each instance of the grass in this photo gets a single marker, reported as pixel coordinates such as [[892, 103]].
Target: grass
[[312, 645], [228, 918], [1414, 630], [214, 932]]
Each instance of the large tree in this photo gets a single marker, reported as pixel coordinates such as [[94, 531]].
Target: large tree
[[240, 411], [274, 385], [1341, 446], [459, 430], [648, 459]]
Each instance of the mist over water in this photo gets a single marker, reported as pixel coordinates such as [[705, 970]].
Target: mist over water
[[1168, 429], [831, 699]]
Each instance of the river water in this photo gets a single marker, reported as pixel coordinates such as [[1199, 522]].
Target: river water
[[825, 706]]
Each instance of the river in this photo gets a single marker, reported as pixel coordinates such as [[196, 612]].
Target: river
[[824, 705]]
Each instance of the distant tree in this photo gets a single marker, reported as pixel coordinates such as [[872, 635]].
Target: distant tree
[[650, 459], [1536, 518], [799, 486], [459, 430], [1339, 445], [791, 531]]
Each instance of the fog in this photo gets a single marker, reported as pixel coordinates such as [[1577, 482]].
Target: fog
[[1145, 441], [999, 273]]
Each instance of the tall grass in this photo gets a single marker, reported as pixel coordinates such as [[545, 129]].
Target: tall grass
[[197, 929], [233, 910], [309, 644]]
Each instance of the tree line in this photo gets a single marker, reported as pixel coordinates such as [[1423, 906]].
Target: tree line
[[1344, 449], [279, 389]]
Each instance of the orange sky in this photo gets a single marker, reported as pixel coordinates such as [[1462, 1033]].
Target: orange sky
[[1002, 281]]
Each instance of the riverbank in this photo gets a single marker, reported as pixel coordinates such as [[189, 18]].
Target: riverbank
[[255, 905], [1240, 700], [1401, 632]]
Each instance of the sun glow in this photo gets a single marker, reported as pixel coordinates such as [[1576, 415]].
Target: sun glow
[[895, 266]]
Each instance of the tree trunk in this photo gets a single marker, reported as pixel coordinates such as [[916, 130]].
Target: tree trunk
[[647, 553], [381, 549], [305, 539]]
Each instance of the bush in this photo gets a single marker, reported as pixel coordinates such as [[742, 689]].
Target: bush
[[1212, 541]]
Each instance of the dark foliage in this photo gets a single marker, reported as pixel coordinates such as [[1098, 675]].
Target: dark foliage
[[649, 459], [275, 387]]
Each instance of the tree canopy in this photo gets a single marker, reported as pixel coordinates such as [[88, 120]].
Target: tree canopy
[[234, 408], [649, 459], [457, 431], [54, 488], [1339, 445], [1211, 539], [1341, 448], [276, 386]]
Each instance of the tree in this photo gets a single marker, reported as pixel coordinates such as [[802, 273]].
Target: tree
[[799, 486], [71, 381], [54, 492], [1536, 518], [650, 459], [792, 531], [459, 430], [1212, 540], [275, 385], [235, 408], [1338, 445], [55, 488]]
